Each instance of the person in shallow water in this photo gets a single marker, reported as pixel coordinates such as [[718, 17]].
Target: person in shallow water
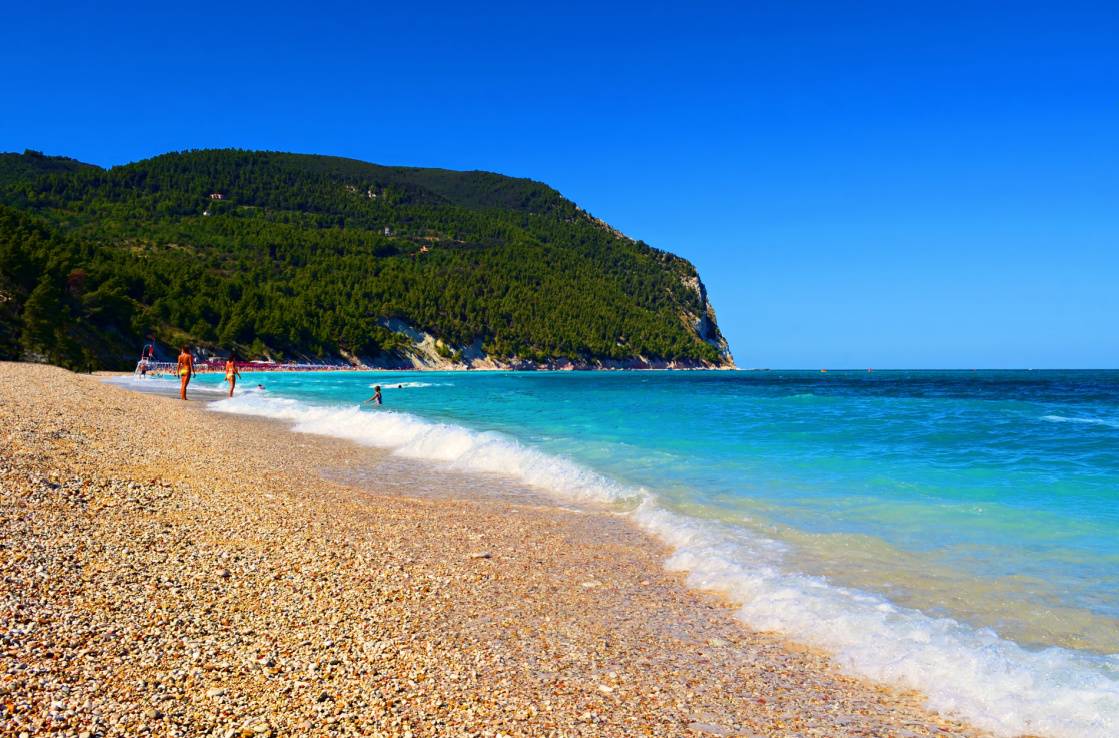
[[186, 371], [376, 398], [231, 372]]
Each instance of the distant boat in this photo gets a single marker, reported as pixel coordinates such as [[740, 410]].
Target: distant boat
[[823, 371]]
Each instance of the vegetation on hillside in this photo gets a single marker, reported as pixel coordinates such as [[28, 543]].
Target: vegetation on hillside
[[14, 167], [292, 256]]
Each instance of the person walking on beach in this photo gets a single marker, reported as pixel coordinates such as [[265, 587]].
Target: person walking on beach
[[231, 372], [376, 398], [186, 371]]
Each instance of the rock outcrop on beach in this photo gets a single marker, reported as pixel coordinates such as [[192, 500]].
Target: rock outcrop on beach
[[299, 257]]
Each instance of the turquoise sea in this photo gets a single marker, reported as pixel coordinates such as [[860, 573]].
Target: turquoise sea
[[953, 531]]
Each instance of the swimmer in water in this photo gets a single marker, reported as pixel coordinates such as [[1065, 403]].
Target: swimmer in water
[[376, 398], [186, 371], [231, 372]]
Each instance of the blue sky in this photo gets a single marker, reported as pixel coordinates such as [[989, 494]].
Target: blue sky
[[860, 184]]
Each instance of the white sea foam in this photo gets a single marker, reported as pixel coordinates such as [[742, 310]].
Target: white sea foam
[[409, 385], [994, 683], [973, 673], [460, 448], [169, 385], [1088, 421]]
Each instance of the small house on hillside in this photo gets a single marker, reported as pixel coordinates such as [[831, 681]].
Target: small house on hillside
[[217, 196]]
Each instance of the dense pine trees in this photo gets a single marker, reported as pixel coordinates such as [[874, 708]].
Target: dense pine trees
[[295, 255]]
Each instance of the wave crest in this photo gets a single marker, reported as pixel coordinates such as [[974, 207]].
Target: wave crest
[[460, 448], [992, 682], [1088, 421]]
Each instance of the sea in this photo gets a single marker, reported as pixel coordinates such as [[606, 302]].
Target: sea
[[955, 532]]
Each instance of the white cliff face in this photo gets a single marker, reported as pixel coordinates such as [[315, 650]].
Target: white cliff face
[[717, 340], [426, 352], [704, 323]]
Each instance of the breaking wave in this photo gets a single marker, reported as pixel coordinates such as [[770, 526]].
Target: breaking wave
[[408, 385], [1087, 421], [992, 682], [460, 448]]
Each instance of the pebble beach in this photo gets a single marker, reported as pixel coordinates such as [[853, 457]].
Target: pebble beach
[[170, 571]]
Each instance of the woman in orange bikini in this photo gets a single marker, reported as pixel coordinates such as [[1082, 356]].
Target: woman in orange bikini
[[231, 372], [186, 371]]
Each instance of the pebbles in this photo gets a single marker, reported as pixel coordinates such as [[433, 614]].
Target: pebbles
[[169, 571]]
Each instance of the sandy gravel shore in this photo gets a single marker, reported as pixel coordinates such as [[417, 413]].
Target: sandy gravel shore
[[166, 570]]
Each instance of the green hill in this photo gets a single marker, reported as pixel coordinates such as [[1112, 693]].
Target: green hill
[[299, 256], [29, 164]]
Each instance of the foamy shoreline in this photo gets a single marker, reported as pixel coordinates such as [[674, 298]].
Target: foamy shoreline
[[190, 572]]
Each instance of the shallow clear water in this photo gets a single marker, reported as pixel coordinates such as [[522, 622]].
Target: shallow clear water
[[962, 515]]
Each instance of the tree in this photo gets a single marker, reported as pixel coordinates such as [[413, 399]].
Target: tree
[[294, 260], [46, 320]]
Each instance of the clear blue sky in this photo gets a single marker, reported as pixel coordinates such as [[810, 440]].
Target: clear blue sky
[[890, 184]]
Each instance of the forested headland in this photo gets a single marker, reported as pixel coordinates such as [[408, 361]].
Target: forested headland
[[291, 256]]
